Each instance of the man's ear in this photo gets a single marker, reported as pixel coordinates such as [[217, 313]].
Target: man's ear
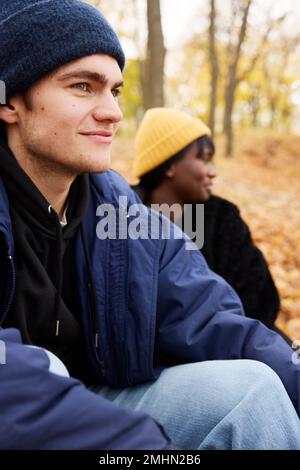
[[8, 113]]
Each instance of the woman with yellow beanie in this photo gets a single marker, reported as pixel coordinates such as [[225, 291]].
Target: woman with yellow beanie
[[174, 154]]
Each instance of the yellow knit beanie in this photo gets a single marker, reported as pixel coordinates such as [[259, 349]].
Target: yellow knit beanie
[[164, 132]]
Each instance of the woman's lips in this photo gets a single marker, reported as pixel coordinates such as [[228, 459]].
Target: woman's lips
[[208, 187]]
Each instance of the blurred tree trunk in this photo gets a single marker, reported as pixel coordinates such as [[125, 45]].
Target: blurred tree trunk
[[274, 77], [232, 82], [254, 100], [141, 63], [254, 105], [214, 67], [153, 71]]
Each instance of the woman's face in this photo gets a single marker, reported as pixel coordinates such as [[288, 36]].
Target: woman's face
[[192, 176]]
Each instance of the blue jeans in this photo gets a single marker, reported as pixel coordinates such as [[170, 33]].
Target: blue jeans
[[238, 404]]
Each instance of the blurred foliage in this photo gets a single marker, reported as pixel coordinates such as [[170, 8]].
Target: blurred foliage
[[131, 98], [274, 80]]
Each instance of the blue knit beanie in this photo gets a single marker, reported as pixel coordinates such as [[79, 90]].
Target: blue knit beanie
[[38, 36]]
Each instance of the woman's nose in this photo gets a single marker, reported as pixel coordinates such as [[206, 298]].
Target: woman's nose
[[211, 171]]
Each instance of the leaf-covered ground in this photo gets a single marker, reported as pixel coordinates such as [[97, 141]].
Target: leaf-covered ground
[[263, 179]]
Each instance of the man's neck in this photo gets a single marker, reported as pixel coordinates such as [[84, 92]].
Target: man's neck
[[56, 196], [50, 181]]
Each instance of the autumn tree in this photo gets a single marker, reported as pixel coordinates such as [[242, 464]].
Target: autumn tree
[[276, 82], [240, 57], [241, 9], [214, 67], [153, 72]]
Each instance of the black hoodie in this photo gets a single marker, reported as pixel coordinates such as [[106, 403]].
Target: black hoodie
[[45, 307]]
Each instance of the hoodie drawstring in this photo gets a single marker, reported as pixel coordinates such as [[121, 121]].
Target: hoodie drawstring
[[59, 278]]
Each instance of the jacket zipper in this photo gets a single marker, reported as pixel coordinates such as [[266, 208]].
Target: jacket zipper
[[93, 330], [11, 289], [92, 307]]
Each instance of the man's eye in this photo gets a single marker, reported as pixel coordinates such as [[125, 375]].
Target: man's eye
[[81, 86], [116, 92]]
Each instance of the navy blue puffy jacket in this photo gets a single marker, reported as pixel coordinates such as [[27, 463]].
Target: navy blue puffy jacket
[[155, 300]]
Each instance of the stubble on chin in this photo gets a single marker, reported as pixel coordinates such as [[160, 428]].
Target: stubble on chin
[[92, 164]]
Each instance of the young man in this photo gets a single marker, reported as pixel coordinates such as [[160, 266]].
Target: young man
[[139, 319]]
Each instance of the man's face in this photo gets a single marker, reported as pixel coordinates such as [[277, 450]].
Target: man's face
[[67, 120]]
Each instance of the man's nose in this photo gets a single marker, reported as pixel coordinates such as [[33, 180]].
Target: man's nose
[[108, 110]]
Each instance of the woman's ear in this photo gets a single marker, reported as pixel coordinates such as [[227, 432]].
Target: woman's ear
[[8, 113], [170, 171]]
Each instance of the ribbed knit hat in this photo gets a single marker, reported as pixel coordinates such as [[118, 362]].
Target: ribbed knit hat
[[164, 132], [38, 36]]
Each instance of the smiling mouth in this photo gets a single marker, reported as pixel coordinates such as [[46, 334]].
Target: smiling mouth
[[208, 186], [105, 137]]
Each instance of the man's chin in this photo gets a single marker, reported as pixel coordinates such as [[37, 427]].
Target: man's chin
[[98, 165]]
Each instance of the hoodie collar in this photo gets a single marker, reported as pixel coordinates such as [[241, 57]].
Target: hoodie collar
[[25, 198]]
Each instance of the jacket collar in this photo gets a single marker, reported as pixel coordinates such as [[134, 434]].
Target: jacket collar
[[5, 220]]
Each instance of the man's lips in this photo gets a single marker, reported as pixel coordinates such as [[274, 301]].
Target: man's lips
[[102, 136]]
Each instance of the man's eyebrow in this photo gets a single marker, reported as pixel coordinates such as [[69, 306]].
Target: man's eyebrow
[[88, 75]]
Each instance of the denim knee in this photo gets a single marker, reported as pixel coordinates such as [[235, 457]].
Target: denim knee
[[259, 373]]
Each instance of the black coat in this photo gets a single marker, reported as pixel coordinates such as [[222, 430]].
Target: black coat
[[230, 252]]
